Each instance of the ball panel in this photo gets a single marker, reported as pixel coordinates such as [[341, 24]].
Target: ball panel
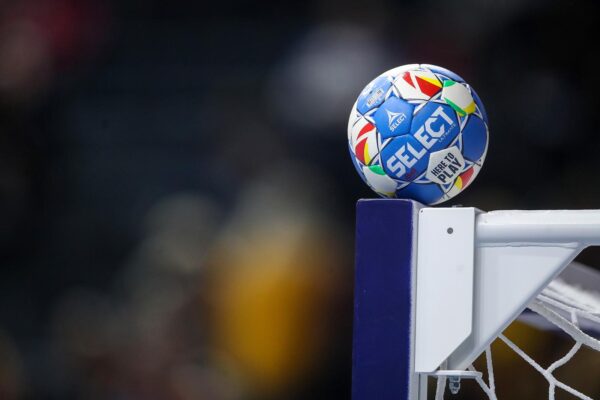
[[474, 138], [463, 181], [363, 141], [458, 96], [417, 84], [352, 119], [444, 72], [426, 193], [379, 181], [374, 94], [357, 165], [480, 105], [435, 126], [445, 165], [404, 158], [394, 117]]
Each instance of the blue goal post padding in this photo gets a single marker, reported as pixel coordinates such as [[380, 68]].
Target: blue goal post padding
[[382, 361]]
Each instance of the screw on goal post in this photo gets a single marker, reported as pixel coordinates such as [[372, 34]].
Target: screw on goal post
[[435, 286]]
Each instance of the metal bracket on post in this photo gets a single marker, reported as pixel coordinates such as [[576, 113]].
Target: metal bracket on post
[[445, 266]]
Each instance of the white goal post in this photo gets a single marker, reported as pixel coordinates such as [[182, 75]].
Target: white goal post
[[435, 286]]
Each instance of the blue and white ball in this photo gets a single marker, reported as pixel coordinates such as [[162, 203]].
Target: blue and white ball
[[418, 131]]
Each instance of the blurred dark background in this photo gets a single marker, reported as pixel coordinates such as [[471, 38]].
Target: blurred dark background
[[177, 200]]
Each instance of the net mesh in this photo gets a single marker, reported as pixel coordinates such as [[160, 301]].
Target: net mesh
[[567, 307]]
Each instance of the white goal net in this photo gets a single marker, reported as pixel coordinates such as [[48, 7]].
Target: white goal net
[[571, 304]]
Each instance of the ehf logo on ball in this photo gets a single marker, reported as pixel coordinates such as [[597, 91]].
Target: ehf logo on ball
[[419, 132]]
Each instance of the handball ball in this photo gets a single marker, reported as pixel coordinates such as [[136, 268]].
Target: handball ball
[[418, 132]]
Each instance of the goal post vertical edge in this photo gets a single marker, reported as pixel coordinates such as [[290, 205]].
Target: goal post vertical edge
[[384, 301]]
